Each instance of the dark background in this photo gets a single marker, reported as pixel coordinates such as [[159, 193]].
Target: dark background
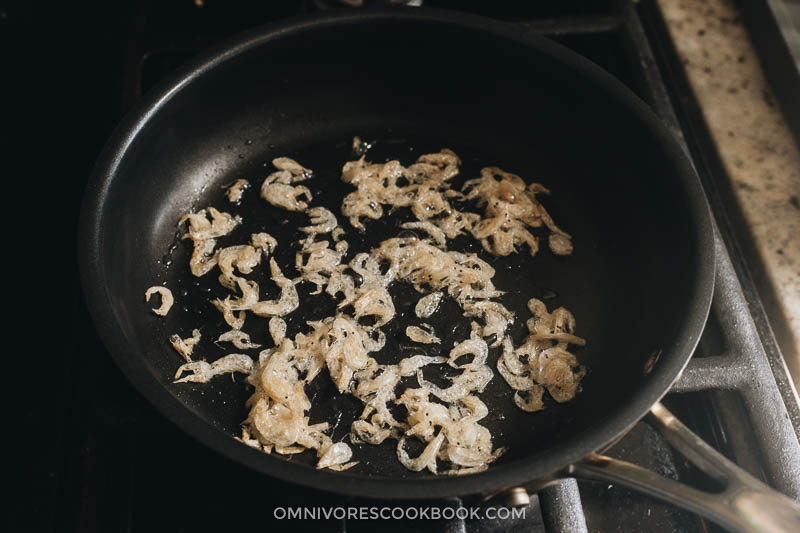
[[58, 92]]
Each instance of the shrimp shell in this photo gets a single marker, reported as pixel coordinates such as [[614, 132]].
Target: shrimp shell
[[166, 299]]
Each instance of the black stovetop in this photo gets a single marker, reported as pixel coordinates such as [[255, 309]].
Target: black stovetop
[[120, 466]]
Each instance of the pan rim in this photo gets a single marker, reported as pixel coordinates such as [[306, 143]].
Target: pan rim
[[515, 473]]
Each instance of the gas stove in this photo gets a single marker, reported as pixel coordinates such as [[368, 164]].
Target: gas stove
[[123, 467]]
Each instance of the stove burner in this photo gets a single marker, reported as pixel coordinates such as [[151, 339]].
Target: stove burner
[[127, 468]]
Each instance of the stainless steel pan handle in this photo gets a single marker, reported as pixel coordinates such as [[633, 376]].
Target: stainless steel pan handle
[[746, 504]]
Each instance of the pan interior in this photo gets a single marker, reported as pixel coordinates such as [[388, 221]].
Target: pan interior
[[414, 89]]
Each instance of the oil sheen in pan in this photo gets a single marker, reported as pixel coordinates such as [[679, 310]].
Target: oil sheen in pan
[[225, 396]]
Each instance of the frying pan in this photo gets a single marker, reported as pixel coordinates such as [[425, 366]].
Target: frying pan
[[639, 282]]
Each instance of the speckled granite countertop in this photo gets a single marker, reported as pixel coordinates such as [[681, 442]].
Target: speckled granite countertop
[[754, 143]]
